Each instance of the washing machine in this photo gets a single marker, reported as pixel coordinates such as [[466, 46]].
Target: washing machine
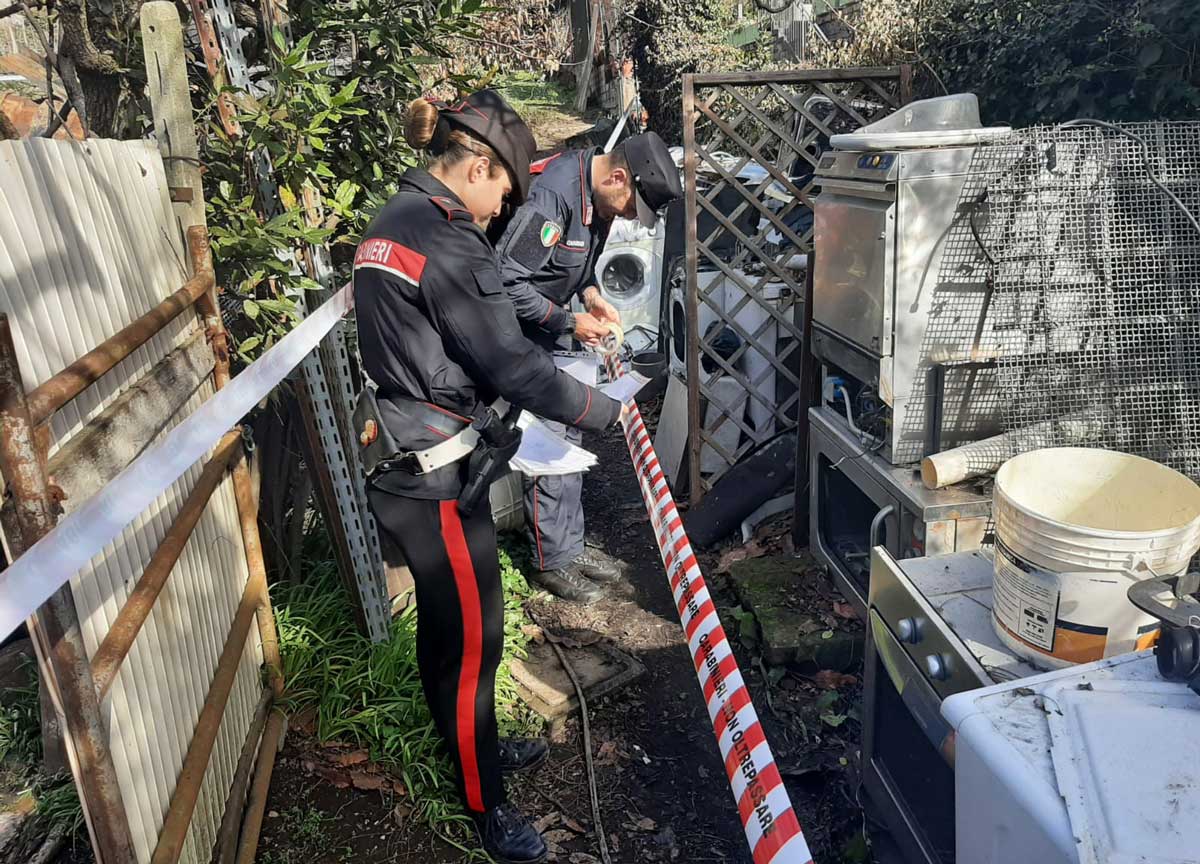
[[677, 317], [629, 271]]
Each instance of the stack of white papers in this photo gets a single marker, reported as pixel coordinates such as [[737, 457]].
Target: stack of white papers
[[545, 454]]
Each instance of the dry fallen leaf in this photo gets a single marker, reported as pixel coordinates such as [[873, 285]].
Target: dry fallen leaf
[[559, 836], [305, 721], [753, 549], [534, 632], [546, 821], [607, 752], [400, 814], [583, 858], [844, 610], [646, 824], [574, 826], [827, 679], [354, 757], [363, 780], [338, 779]]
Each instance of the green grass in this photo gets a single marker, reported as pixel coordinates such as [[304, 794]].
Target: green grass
[[20, 723], [58, 804], [56, 799], [543, 104], [370, 695]]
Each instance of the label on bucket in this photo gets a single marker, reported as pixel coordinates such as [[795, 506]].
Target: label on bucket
[[1025, 599]]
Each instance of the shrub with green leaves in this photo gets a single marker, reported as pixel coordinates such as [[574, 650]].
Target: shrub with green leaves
[[1038, 61], [331, 128]]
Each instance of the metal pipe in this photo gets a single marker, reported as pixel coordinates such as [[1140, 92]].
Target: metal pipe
[[113, 650], [200, 253], [248, 513], [24, 470], [200, 256], [257, 803], [187, 787], [56, 392], [231, 819]]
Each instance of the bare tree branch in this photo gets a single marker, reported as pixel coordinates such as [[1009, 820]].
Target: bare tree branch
[[52, 60], [5, 11]]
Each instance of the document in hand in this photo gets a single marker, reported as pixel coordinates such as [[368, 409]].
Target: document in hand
[[581, 365], [626, 387], [545, 454]]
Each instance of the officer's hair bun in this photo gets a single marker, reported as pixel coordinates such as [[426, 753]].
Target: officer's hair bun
[[420, 122]]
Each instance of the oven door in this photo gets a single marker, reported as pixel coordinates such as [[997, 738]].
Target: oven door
[[906, 745], [849, 512], [854, 226]]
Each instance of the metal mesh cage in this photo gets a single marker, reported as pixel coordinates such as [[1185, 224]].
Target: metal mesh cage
[[1092, 283]]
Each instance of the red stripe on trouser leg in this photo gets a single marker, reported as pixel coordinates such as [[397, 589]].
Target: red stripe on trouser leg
[[787, 826], [472, 631], [537, 534]]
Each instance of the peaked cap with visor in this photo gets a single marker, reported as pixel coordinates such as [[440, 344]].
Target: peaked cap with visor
[[487, 117]]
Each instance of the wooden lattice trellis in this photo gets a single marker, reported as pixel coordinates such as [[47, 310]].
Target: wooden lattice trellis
[[759, 136]]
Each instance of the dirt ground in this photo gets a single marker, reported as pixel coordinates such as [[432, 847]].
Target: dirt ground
[[664, 796]]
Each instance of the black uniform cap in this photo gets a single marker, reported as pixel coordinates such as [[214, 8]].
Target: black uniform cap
[[655, 177], [489, 118]]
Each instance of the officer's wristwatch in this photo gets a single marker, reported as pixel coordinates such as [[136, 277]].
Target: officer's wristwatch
[[570, 331]]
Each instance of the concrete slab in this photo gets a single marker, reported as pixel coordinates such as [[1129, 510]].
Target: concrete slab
[[791, 633], [544, 684]]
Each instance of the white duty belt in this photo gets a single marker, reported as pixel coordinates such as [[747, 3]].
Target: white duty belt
[[453, 449]]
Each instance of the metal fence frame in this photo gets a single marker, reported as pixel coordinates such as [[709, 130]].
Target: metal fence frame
[[889, 86]]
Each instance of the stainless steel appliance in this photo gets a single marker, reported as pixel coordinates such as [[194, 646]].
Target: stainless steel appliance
[[885, 310], [929, 637], [858, 500]]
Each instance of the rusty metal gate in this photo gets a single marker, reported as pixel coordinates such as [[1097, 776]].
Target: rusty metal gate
[[751, 143]]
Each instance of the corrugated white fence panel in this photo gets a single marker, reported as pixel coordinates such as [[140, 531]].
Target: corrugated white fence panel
[[87, 244]]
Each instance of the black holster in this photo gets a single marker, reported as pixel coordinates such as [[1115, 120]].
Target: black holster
[[499, 440]]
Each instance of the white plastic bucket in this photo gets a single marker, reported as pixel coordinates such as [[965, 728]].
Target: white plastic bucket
[[1075, 527], [507, 497]]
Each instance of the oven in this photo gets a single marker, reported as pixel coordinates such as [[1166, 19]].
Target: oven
[[858, 500], [914, 660], [900, 290], [929, 637]]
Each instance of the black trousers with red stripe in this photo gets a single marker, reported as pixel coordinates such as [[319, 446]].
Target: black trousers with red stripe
[[460, 629]]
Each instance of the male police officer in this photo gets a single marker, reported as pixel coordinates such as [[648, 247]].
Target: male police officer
[[548, 256]]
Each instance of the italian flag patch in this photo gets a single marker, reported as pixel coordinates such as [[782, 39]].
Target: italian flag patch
[[550, 234]]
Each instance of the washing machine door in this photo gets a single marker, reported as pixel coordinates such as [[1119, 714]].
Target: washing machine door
[[629, 274]]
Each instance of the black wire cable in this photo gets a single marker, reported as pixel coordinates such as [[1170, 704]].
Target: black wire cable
[[1112, 127]]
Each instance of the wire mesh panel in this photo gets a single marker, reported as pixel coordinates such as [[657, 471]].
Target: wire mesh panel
[[1091, 253], [751, 144]]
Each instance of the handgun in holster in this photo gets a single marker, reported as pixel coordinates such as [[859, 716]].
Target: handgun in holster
[[499, 440]]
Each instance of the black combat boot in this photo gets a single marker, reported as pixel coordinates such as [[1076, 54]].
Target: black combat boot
[[567, 583], [522, 754], [599, 566], [509, 837]]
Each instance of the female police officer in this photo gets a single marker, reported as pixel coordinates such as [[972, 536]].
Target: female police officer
[[439, 337]]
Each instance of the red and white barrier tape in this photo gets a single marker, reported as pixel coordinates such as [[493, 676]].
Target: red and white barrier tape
[[770, 823]]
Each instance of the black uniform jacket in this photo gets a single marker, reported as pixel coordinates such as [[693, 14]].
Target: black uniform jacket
[[435, 325], [548, 251]]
